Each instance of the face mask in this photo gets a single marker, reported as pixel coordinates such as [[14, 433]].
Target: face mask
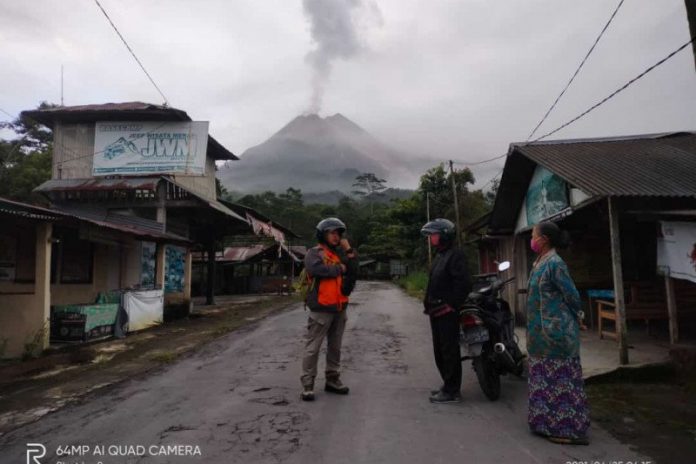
[[534, 245]]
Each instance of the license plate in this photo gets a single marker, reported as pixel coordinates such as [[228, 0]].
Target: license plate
[[476, 335]]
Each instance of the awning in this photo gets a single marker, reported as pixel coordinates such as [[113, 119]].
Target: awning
[[95, 184], [57, 215]]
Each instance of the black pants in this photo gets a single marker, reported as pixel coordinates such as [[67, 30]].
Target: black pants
[[446, 347]]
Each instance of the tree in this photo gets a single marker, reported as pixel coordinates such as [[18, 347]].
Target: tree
[[25, 160], [220, 189], [368, 186]]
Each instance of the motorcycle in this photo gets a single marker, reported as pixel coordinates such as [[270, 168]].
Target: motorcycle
[[487, 332]]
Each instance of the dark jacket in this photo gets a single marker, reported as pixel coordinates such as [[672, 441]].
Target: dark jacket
[[449, 282], [329, 278]]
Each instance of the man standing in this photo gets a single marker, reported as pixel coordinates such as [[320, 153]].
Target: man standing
[[332, 268], [448, 286]]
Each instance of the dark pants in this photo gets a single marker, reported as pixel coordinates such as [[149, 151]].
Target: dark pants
[[446, 347]]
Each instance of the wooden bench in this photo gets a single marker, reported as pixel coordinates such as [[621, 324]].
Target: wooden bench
[[646, 301]]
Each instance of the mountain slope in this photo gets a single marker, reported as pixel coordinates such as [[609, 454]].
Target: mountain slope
[[316, 155]]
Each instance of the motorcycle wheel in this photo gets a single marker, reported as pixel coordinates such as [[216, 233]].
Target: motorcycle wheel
[[488, 377]]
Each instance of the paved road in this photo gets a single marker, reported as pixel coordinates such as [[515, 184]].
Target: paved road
[[237, 400]]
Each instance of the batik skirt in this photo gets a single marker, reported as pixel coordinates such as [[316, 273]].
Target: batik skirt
[[557, 401]]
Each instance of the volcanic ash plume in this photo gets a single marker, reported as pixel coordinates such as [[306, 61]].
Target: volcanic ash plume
[[334, 30]]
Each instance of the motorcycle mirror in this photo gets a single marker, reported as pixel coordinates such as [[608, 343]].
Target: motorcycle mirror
[[504, 266]]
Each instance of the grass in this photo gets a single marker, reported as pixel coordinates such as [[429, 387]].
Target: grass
[[415, 283], [164, 357]]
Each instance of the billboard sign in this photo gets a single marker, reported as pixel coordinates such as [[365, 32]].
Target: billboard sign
[[547, 195], [152, 147]]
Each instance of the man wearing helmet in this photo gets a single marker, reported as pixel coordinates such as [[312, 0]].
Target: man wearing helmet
[[448, 286], [332, 267]]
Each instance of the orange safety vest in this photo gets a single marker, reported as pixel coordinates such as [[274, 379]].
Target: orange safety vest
[[329, 288]]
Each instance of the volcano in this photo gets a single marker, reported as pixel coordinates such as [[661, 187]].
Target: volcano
[[315, 154]]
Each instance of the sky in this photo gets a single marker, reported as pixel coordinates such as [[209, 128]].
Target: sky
[[448, 79]]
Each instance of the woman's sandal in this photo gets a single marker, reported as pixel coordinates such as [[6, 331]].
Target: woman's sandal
[[569, 441]]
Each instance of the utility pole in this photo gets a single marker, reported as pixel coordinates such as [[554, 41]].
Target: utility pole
[[430, 251], [456, 204], [61, 85]]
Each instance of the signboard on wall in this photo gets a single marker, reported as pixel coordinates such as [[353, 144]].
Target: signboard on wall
[[174, 269], [148, 260], [546, 196], [676, 249], [138, 148]]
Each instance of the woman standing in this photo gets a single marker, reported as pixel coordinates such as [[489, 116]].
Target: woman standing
[[557, 401]]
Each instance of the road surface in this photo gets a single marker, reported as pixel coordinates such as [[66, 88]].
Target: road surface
[[237, 400]]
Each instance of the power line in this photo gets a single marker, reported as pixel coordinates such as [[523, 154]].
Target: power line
[[492, 179], [617, 91], [476, 163], [577, 71], [3, 111], [166, 102]]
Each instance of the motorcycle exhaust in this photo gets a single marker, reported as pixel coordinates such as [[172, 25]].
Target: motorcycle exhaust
[[504, 356]]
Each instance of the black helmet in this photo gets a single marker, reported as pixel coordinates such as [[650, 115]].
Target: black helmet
[[444, 227], [328, 224]]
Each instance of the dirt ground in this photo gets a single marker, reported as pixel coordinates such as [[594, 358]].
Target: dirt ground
[[32, 389], [655, 413]]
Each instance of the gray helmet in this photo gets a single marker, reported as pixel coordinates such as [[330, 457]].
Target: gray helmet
[[444, 227], [328, 224]]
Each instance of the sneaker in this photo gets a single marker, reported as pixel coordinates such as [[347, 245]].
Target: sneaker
[[307, 393], [443, 398], [336, 386], [583, 441], [436, 391]]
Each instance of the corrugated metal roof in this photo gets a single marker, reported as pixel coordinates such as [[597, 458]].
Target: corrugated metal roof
[[129, 183], [125, 111], [651, 165], [240, 254], [24, 210], [109, 221], [244, 210], [663, 166], [97, 212]]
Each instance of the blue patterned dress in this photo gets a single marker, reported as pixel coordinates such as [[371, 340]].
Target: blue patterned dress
[[557, 401]]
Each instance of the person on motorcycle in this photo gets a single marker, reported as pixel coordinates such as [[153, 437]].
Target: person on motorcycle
[[332, 268], [449, 284]]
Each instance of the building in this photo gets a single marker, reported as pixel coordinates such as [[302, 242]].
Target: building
[[132, 193], [147, 164], [621, 199], [258, 268], [51, 259]]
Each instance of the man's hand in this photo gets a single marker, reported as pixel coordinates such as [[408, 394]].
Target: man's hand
[[345, 244], [344, 269]]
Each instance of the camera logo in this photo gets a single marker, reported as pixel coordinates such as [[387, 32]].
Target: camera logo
[[34, 452]]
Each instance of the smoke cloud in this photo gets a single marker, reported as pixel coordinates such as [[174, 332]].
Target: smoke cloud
[[334, 29]]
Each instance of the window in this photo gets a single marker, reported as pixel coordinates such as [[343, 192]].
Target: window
[[76, 260]]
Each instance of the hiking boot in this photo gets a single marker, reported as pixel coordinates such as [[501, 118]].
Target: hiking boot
[[336, 386], [308, 393], [443, 398]]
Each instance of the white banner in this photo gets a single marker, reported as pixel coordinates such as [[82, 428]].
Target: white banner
[[676, 249], [265, 228], [136, 148], [145, 308]]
